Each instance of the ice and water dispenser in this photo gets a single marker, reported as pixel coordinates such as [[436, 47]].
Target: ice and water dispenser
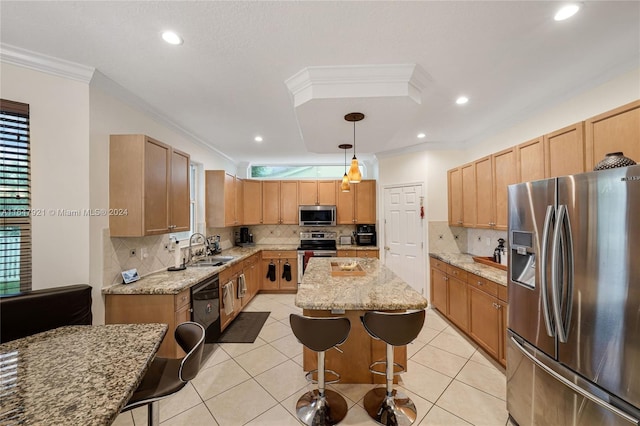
[[523, 258]]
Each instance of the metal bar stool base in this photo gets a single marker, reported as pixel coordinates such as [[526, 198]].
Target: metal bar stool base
[[394, 410], [314, 410]]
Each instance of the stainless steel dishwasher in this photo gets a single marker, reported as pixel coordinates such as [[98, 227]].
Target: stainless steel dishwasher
[[205, 307]]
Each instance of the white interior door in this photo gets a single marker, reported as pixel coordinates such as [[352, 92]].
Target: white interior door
[[403, 242]]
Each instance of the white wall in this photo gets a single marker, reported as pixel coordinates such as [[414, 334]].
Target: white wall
[[59, 116]]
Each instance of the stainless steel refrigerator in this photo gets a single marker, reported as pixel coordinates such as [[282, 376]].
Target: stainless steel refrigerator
[[573, 344]]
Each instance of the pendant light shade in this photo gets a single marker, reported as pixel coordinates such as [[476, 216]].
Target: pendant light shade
[[354, 171], [344, 186]]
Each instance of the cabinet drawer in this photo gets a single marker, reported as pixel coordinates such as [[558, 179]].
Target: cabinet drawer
[[183, 298], [502, 293], [367, 253], [483, 284], [347, 253], [438, 264], [457, 273]]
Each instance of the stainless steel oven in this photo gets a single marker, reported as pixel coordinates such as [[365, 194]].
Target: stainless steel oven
[[315, 244]]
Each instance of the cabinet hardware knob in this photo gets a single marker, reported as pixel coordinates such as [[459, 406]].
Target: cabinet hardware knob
[[480, 283]]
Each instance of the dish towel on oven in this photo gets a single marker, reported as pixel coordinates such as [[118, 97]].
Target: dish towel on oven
[[242, 286], [227, 297]]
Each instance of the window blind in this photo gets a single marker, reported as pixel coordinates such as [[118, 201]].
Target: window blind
[[15, 198]]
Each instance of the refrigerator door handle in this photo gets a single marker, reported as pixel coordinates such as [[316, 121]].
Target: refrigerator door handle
[[543, 270], [577, 389], [558, 289], [568, 245]]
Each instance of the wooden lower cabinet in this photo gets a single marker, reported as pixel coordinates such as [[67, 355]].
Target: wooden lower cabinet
[[251, 270], [358, 253], [474, 304], [280, 281], [170, 309]]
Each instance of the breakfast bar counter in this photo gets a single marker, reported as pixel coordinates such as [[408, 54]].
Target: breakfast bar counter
[[75, 375], [322, 295]]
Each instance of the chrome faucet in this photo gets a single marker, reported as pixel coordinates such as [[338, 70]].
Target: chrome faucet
[[204, 241]]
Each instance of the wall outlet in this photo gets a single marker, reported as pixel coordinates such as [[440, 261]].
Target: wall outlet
[[133, 253], [487, 241], [144, 253]]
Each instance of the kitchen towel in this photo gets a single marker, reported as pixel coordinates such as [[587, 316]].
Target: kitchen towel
[[242, 286], [227, 298], [271, 273], [286, 271]]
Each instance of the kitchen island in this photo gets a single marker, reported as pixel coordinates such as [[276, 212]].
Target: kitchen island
[[322, 295]]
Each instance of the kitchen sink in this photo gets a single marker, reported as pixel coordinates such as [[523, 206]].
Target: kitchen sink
[[212, 261]]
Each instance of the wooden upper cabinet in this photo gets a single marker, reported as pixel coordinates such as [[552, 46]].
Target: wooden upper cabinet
[[530, 160], [614, 131], [252, 202], [564, 150], [468, 195], [454, 181], [504, 174], [221, 193], [358, 205], [345, 206], [239, 207], [317, 192], [280, 202], [484, 193], [150, 181]]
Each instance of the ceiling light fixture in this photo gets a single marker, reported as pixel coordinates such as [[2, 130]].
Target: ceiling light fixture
[[344, 186], [354, 171], [172, 38], [462, 100], [566, 11], [258, 139], [421, 136]]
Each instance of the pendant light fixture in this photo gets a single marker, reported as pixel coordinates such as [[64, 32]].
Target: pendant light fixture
[[354, 170], [344, 186]]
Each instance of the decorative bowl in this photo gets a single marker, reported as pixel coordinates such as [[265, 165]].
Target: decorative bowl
[[613, 160]]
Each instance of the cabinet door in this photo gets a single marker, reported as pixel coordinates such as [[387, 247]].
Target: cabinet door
[[252, 196], [180, 199], [565, 151], [365, 202], [267, 283], [271, 202], [307, 192], [239, 199], [454, 181], [157, 157], [229, 200], [484, 193], [327, 191], [439, 290], [458, 304], [504, 174], [292, 284], [289, 202], [345, 206], [530, 160], [469, 195], [485, 320], [504, 313], [226, 277], [614, 131]]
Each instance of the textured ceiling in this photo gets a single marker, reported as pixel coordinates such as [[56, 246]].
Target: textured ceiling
[[226, 83]]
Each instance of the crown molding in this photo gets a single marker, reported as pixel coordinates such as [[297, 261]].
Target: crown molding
[[353, 81], [48, 64]]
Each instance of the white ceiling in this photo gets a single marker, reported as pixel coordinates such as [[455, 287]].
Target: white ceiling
[[226, 83]]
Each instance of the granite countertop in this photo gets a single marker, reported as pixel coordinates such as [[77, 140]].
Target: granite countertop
[[356, 247], [173, 282], [75, 375], [380, 289], [466, 262]]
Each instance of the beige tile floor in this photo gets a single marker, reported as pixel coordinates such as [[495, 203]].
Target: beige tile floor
[[450, 380]]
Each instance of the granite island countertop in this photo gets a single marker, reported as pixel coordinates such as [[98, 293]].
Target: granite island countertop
[[379, 289], [173, 282], [466, 262], [75, 375]]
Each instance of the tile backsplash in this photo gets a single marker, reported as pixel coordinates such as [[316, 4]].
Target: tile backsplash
[[452, 239]]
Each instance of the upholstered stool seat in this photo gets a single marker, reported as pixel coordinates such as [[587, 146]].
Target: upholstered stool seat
[[386, 405], [321, 406]]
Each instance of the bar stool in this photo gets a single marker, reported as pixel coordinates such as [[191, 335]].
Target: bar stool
[[320, 406], [386, 405]]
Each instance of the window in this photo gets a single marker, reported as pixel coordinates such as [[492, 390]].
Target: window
[[300, 172], [15, 198]]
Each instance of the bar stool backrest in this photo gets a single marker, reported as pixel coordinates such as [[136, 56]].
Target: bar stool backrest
[[396, 329], [190, 337], [320, 334]]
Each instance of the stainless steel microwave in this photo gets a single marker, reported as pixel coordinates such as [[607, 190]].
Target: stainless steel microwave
[[317, 215]]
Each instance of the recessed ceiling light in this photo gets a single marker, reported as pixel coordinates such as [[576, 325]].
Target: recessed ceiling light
[[172, 38], [258, 139], [462, 100], [566, 12], [421, 136]]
